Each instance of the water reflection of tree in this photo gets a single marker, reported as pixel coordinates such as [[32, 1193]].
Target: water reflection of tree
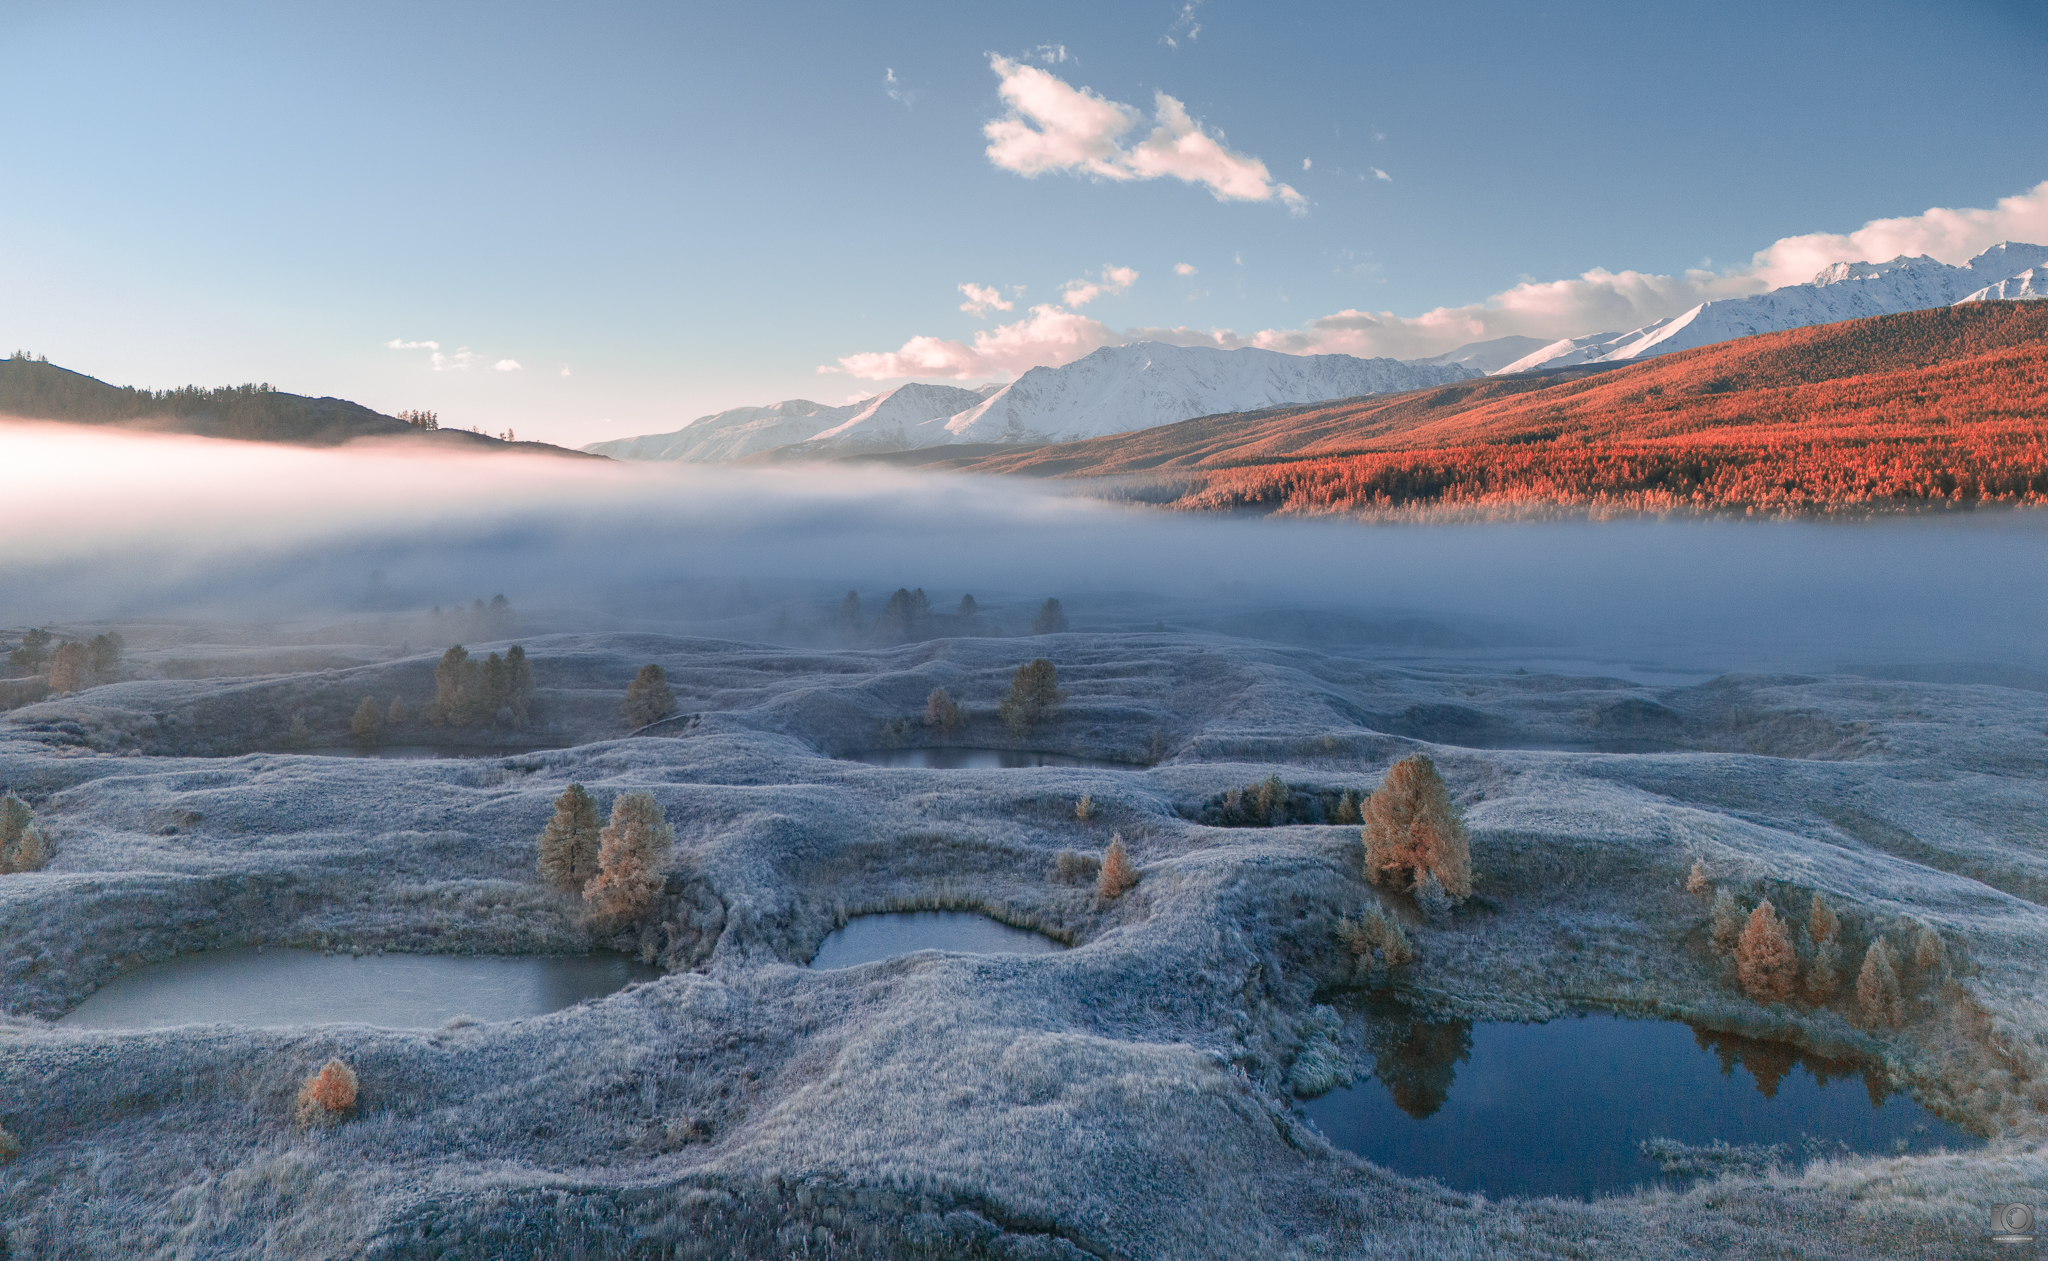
[[1771, 1062], [1417, 1059]]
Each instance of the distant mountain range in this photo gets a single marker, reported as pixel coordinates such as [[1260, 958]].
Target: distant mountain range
[[1936, 408], [1114, 390], [32, 389], [1845, 291]]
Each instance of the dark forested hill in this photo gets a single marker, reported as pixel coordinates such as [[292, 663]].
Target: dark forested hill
[[31, 389]]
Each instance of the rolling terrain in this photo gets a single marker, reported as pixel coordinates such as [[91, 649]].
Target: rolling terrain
[[36, 390], [1927, 408]]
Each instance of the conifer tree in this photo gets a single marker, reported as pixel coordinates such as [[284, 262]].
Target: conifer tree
[[1116, 874], [494, 691], [452, 676], [519, 679], [1696, 882], [67, 668], [1051, 619], [1824, 970], [940, 711], [1728, 921], [21, 846], [33, 653], [849, 610], [1877, 989], [103, 656], [368, 725], [648, 698], [1764, 960], [1412, 829], [968, 608], [570, 842], [299, 735], [630, 853], [398, 715], [1034, 695]]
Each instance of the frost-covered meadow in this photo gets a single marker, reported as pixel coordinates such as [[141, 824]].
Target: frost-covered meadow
[[1130, 1097]]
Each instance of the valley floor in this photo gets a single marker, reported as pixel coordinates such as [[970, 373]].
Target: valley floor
[[1130, 1097]]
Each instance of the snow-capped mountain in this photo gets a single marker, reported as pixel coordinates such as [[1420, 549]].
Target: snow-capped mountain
[[1489, 356], [1114, 390], [1844, 291], [2029, 284], [1139, 386]]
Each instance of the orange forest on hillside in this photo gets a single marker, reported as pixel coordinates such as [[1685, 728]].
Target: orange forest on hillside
[[1931, 409]]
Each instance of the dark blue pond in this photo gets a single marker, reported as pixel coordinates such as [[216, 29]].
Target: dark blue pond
[[1562, 1108], [866, 938]]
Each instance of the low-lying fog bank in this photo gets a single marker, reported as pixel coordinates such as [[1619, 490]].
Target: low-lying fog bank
[[104, 526]]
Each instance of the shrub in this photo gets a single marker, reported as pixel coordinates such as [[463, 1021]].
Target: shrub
[[569, 843], [1070, 867], [1084, 809], [10, 1146], [940, 711], [648, 698], [1051, 619], [1764, 961], [1878, 1000], [1431, 898], [299, 735], [1117, 874], [1696, 882], [22, 847], [397, 715], [67, 668], [630, 853], [1412, 830], [368, 724], [1034, 696], [1728, 921], [1377, 933], [328, 1095]]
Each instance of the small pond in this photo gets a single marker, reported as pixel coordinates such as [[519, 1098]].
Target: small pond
[[273, 987], [980, 759], [416, 752], [1562, 1108], [866, 938]]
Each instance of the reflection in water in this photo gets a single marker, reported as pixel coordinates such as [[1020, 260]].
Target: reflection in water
[[1417, 1060], [866, 938], [1563, 1108], [979, 759], [304, 987]]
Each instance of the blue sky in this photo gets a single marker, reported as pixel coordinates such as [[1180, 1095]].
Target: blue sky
[[692, 207]]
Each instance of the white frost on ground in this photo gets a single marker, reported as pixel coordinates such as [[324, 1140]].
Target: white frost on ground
[[1126, 1098]]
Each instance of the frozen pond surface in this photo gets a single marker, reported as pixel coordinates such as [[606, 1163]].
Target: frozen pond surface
[[304, 987], [1561, 1108], [980, 759], [866, 938]]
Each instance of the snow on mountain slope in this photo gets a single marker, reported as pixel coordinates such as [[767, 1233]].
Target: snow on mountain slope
[[1488, 356], [2029, 284], [1844, 291], [742, 431], [888, 423], [1141, 385]]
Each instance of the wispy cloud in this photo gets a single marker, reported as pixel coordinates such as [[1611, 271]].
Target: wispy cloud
[[401, 344], [1183, 269], [1378, 174], [1079, 293], [982, 299], [894, 89], [461, 359], [1054, 126], [1184, 25], [506, 365], [1050, 54]]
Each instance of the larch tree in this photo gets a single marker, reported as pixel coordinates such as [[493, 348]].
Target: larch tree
[[1696, 882], [368, 725], [648, 698], [940, 711], [519, 681], [67, 667], [968, 608], [1764, 959], [398, 715], [1034, 696], [1878, 1000], [1413, 829], [22, 847], [103, 655], [1116, 874], [630, 853], [1051, 619], [569, 844]]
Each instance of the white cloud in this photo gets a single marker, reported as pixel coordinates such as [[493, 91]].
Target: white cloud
[[894, 89], [1306, 164], [401, 344], [1112, 280], [1184, 25], [1050, 54], [507, 365], [982, 299], [1597, 301], [1183, 269], [565, 372], [1053, 126], [461, 361], [1047, 337], [1378, 174]]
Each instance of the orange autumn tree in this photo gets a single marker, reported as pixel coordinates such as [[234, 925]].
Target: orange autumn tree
[[1412, 830], [630, 853], [1764, 959]]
